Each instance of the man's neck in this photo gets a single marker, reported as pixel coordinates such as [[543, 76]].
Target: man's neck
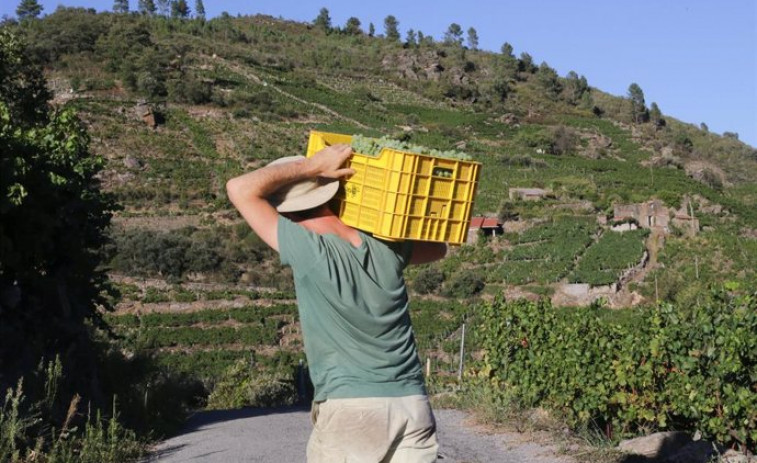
[[330, 224]]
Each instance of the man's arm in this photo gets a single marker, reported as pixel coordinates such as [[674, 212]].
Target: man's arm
[[425, 252], [249, 191]]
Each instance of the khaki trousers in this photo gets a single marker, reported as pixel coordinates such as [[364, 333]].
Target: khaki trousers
[[373, 430]]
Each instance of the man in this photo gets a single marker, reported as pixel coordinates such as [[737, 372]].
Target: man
[[370, 401]]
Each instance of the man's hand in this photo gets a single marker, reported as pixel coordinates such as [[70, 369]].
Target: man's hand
[[249, 191], [328, 161]]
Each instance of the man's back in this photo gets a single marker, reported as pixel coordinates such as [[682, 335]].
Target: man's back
[[353, 310]]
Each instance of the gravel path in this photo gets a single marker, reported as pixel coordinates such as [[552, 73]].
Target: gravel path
[[280, 436]]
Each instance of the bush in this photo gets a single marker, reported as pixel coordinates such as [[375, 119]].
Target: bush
[[464, 284], [428, 281], [243, 386], [32, 430]]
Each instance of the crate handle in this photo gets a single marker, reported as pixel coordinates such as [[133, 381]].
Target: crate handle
[[442, 172]]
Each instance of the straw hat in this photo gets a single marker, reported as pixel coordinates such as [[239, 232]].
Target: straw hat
[[302, 195]]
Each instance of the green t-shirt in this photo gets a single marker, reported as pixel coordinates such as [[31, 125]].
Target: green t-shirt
[[353, 309]]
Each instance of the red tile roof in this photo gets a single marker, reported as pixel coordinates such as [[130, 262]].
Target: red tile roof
[[484, 222]]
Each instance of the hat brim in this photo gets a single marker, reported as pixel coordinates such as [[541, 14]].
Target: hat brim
[[303, 195]]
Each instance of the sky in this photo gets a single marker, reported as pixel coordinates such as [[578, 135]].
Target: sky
[[697, 59]]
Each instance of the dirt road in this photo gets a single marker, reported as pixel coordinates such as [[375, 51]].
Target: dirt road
[[280, 436]]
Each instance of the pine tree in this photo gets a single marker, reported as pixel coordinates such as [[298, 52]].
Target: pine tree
[[391, 28], [147, 7], [121, 6], [411, 38], [28, 9], [639, 112], [179, 9], [323, 20], [371, 30], [526, 63], [655, 115], [507, 50], [549, 80], [199, 9], [472, 39], [454, 35], [575, 87], [353, 26]]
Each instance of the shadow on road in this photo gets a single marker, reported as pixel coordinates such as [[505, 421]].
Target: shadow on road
[[205, 418], [164, 452]]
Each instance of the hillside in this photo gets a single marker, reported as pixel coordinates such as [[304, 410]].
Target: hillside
[[232, 93]]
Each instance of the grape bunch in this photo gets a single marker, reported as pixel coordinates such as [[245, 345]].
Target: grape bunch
[[373, 146]]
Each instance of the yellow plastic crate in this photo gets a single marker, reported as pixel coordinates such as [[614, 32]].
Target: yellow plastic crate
[[399, 195]]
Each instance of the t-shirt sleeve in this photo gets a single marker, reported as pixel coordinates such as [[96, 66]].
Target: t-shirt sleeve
[[407, 251], [404, 251], [298, 247]]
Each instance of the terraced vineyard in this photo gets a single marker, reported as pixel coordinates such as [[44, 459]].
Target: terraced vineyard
[[546, 253], [208, 339]]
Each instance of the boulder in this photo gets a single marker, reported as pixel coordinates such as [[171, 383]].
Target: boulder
[[132, 163], [658, 445]]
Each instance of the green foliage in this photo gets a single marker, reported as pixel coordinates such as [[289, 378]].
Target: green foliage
[[639, 112], [250, 314], [685, 368], [175, 253], [352, 26], [65, 31], [464, 284], [251, 335], [32, 429], [549, 80], [454, 35], [323, 20], [52, 221], [391, 28], [28, 9], [575, 88], [472, 38], [428, 281], [23, 92], [179, 9], [242, 386]]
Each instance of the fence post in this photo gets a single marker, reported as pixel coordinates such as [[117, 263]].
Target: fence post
[[462, 354]]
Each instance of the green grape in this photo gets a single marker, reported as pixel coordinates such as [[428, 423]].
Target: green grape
[[373, 146]]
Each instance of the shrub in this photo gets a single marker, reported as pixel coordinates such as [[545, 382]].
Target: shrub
[[243, 386], [464, 284], [428, 281], [31, 430]]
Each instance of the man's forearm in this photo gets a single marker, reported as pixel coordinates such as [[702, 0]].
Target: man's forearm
[[262, 182]]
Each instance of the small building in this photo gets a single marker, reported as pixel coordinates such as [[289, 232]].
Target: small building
[[481, 225], [528, 194], [651, 214]]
